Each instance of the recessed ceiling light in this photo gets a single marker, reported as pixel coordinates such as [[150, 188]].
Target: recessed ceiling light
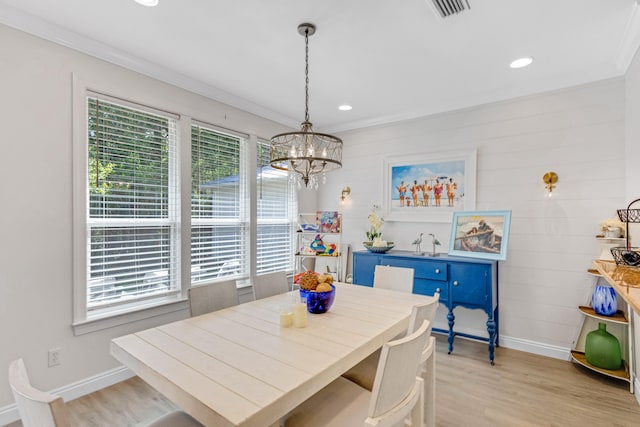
[[345, 107], [149, 3], [521, 62]]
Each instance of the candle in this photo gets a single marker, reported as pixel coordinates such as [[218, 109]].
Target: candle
[[286, 319], [300, 315]]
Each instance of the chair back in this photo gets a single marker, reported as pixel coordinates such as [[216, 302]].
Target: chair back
[[214, 296], [422, 312], [396, 389], [270, 284], [37, 408], [427, 371], [394, 278]]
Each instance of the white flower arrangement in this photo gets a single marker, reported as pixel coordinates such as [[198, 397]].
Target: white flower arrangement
[[375, 224], [611, 224]]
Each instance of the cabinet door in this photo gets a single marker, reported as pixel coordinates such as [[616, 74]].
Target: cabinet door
[[470, 285], [364, 264]]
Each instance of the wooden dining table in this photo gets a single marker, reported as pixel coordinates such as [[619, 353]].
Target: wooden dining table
[[239, 367]]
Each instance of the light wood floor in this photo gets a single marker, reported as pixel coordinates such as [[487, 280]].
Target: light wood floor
[[521, 390]]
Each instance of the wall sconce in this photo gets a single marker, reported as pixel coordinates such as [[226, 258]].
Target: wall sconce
[[346, 192], [550, 178]]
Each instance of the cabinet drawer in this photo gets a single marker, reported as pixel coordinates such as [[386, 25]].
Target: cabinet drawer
[[422, 269], [428, 287]]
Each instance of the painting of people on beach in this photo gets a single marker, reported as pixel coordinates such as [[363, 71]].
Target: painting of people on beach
[[480, 234], [429, 187]]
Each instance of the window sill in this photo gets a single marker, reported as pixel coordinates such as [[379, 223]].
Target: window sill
[[109, 320]]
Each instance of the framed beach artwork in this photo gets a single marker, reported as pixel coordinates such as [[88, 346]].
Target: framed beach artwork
[[429, 186], [481, 234]]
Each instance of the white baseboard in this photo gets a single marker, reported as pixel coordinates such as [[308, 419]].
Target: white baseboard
[[9, 414], [534, 347]]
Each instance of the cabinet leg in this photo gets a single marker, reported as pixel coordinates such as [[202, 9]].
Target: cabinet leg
[[491, 329], [451, 318]]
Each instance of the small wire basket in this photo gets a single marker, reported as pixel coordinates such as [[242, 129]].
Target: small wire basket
[[629, 215], [624, 256], [627, 255]]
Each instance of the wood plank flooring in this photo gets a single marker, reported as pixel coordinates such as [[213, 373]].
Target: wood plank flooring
[[521, 390]]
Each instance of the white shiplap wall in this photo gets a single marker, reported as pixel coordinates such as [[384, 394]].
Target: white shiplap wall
[[576, 132]]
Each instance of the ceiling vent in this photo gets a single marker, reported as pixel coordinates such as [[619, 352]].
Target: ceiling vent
[[446, 8]]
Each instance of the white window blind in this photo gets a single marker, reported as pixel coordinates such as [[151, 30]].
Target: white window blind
[[276, 213], [132, 207], [219, 220]]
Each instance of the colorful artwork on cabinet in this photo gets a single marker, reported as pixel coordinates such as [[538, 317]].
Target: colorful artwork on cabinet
[[482, 234]]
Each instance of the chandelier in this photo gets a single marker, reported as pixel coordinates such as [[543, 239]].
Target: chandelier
[[306, 154]]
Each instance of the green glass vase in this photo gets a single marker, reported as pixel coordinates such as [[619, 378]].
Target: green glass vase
[[603, 349]]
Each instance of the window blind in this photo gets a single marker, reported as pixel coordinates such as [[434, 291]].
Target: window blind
[[276, 214], [219, 205], [132, 206]]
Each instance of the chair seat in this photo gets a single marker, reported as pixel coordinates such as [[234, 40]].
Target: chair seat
[[345, 404], [174, 419], [364, 372]]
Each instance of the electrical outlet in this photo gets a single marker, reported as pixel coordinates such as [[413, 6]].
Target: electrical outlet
[[54, 357]]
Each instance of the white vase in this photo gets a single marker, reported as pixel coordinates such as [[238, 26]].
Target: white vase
[[612, 232]]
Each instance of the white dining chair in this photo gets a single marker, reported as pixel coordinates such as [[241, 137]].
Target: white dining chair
[[41, 409], [270, 284], [211, 297], [396, 394], [394, 278], [364, 372]]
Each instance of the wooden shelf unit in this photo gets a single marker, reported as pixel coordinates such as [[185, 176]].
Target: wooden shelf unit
[[618, 325], [621, 374]]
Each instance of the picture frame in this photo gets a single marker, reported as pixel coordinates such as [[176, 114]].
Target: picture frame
[[480, 234], [453, 171]]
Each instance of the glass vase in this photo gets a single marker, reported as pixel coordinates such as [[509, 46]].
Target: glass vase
[[604, 300], [603, 349]]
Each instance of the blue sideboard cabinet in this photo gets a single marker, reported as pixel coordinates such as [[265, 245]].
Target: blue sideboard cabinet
[[467, 282]]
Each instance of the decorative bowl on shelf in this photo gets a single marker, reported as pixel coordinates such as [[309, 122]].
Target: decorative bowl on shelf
[[318, 302], [378, 249]]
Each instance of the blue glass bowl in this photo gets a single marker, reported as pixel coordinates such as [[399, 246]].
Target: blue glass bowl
[[318, 302]]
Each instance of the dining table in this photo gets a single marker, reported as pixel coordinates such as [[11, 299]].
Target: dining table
[[239, 367]]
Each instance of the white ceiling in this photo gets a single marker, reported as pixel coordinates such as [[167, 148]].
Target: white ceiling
[[389, 59]]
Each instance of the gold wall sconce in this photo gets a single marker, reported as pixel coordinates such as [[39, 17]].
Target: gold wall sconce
[[550, 179], [346, 192]]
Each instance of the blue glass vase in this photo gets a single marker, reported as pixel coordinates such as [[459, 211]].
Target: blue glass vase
[[604, 301]]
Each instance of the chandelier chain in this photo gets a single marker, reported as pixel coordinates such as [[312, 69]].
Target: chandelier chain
[[306, 74]]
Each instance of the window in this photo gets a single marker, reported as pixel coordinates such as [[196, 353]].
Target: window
[[132, 210], [276, 207], [219, 205]]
